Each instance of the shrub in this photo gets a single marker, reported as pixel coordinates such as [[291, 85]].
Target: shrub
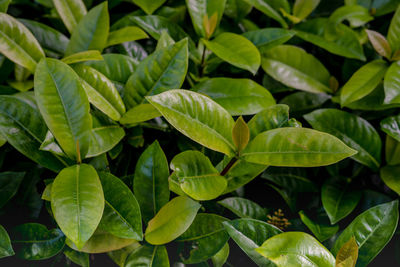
[[158, 132]]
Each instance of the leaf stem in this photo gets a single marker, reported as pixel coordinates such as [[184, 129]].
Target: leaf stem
[[228, 166]]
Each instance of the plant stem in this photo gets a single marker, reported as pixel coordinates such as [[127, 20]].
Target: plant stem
[[228, 166]]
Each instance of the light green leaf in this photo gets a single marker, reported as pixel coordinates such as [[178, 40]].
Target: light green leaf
[[269, 37], [244, 208], [126, 34], [390, 176], [172, 220], [296, 147], [265, 8], [372, 230], [148, 256], [197, 117], [296, 249], [238, 96], [121, 215], [240, 134], [236, 50], [149, 6], [92, 31], [104, 138], [6, 249], [165, 69], [363, 81], [249, 234], [101, 91], [303, 8], [77, 202], [9, 184], [296, 68], [63, 105], [221, 257], [18, 44], [70, 12], [151, 181], [391, 126], [393, 35], [196, 175], [354, 131], [391, 84], [140, 113], [82, 56], [21, 86], [321, 231], [164, 41], [4, 5], [270, 118], [355, 14]]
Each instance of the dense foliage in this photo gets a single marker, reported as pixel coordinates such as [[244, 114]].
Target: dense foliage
[[157, 133]]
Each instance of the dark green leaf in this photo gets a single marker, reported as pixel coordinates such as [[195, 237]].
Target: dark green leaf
[[244, 208], [9, 184], [270, 118], [269, 37], [148, 256], [321, 231], [70, 12], [6, 249]]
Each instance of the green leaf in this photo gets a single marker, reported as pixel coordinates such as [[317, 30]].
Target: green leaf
[[70, 12], [237, 9], [265, 8], [296, 68], [101, 92], [77, 202], [354, 131], [391, 126], [302, 102], [9, 184], [321, 231], [392, 151], [6, 249], [82, 56], [303, 8], [237, 96], [198, 10], [63, 105], [390, 177], [205, 237], [339, 199], [296, 249], [342, 42], [148, 256], [115, 67], [393, 35], [269, 37], [391, 84], [165, 69], [149, 6], [270, 118], [172, 220], [196, 175], [294, 179], [249, 234], [121, 215], [104, 138], [197, 117], [47, 37], [18, 43], [221, 257], [119, 256], [4, 5], [23, 127], [296, 147], [92, 31], [126, 34], [101, 242], [372, 230], [240, 134], [32, 241], [151, 181], [80, 258], [363, 81], [244, 208], [380, 44], [236, 50], [164, 41], [348, 254], [356, 15], [140, 113]]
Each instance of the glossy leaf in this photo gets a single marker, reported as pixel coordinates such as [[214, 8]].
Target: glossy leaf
[[172, 220], [18, 43], [391, 84], [391, 126], [9, 184], [294, 67], [91, 33], [236, 50], [240, 134], [244, 208], [208, 235], [321, 231], [296, 249], [149, 6], [151, 181], [356, 15], [197, 177], [32, 241], [392, 151], [348, 254], [270, 118], [70, 12], [363, 82], [101, 92], [148, 256], [221, 257], [295, 147], [80, 258], [140, 113], [238, 96], [249, 234], [390, 176], [63, 105], [394, 31], [294, 179], [119, 256], [82, 56], [121, 215], [380, 44], [6, 249], [265, 8], [165, 69], [354, 131], [269, 37], [77, 202], [303, 8], [197, 117], [126, 34], [372, 230]]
